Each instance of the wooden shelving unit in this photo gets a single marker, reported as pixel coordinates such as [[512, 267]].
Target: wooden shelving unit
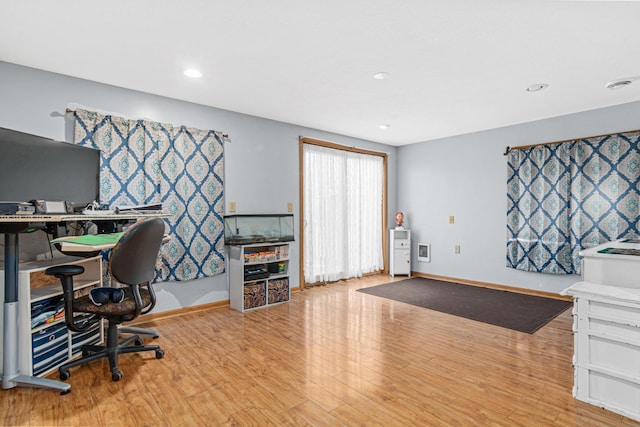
[[258, 275]]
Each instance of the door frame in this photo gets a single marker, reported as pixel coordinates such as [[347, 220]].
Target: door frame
[[385, 235]]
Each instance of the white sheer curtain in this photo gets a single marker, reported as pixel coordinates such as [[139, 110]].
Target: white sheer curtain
[[342, 213]]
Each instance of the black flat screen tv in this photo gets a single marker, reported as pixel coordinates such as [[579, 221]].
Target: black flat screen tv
[[37, 168]]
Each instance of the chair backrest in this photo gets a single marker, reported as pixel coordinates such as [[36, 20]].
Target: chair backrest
[[133, 259]]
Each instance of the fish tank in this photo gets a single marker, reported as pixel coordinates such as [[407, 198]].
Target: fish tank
[[248, 229]]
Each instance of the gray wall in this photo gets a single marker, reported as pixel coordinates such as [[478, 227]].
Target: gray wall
[[465, 176], [261, 162]]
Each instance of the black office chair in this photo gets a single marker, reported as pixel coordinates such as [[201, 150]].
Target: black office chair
[[132, 263]]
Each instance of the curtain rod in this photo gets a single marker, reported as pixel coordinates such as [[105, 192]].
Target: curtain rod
[[224, 136], [338, 146], [524, 147]]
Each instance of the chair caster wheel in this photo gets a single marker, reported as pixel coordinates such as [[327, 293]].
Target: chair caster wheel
[[159, 354], [138, 342], [116, 376], [65, 374], [63, 392]]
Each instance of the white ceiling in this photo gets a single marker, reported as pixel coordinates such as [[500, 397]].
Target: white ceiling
[[455, 66]]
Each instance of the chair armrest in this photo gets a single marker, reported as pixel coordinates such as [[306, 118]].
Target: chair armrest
[[65, 273]]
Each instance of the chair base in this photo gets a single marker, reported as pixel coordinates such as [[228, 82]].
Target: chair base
[[111, 350], [138, 331]]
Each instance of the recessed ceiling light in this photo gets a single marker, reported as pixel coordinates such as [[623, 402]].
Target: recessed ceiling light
[[193, 73], [384, 126], [381, 75], [618, 84], [537, 87]]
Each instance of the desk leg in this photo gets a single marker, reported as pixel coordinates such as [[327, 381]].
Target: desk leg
[[11, 376]]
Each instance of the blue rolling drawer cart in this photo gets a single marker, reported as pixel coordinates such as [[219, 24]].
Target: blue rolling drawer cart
[[50, 347], [45, 343]]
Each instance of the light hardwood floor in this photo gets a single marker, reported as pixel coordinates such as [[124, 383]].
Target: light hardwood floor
[[330, 357]]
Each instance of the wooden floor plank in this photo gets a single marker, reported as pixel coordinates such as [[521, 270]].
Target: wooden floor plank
[[330, 357]]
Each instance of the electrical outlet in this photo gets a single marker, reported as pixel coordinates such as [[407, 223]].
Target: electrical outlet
[[457, 249], [232, 206], [289, 207], [451, 219]]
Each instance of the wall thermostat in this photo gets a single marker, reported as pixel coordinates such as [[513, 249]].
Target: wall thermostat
[[424, 252]]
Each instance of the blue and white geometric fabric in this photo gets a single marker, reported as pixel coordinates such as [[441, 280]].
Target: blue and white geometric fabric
[[570, 196], [145, 162]]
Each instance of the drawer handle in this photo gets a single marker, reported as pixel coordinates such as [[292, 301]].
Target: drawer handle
[[52, 337]]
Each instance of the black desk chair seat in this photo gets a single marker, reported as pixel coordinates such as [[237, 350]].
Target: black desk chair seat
[[131, 263], [128, 304]]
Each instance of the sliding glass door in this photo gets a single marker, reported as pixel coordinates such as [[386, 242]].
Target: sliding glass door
[[343, 208]]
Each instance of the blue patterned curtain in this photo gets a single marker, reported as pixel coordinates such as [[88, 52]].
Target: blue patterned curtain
[[569, 196], [145, 162]]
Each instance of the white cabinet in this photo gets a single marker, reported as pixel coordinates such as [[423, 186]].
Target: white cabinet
[[606, 326], [45, 343], [399, 251], [258, 275], [614, 263]]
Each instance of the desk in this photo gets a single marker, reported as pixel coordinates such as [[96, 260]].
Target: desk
[[12, 226]]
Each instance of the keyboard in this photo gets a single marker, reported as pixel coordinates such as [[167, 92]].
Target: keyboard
[[98, 212]]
